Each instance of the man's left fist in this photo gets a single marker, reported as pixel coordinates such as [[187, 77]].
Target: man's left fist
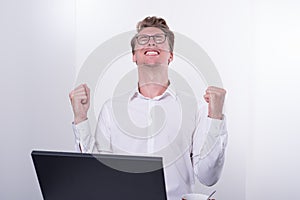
[[215, 97]]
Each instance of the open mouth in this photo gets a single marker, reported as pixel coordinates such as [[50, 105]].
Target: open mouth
[[151, 52]]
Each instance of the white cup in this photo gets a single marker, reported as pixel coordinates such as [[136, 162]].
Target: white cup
[[194, 196]]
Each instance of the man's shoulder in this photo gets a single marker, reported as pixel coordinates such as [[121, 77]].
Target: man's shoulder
[[119, 98]]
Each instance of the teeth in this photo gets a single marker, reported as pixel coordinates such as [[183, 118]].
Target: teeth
[[151, 53]]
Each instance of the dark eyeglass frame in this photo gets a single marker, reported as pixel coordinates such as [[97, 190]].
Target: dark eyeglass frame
[[138, 37]]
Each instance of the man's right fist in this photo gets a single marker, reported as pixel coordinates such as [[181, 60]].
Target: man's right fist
[[80, 100]]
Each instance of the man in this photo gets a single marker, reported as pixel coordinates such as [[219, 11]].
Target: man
[[158, 119]]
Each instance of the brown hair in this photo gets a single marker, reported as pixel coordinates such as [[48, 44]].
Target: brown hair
[[158, 23]]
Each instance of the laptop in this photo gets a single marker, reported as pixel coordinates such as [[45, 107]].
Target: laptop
[[79, 176]]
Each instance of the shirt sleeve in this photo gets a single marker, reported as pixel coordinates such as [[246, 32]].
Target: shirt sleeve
[[103, 130], [86, 141], [209, 143]]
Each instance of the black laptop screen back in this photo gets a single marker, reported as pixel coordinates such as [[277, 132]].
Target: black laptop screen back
[[75, 176]]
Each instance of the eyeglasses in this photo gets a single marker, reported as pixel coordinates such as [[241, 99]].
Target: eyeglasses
[[158, 38]]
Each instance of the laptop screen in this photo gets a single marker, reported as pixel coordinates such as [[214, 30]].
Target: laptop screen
[[78, 176]]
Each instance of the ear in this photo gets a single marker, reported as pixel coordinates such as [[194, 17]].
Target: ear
[[171, 58], [134, 57]]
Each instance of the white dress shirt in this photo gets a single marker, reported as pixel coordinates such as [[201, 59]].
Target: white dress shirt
[[171, 125]]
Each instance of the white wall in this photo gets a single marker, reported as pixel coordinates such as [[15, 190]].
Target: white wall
[[254, 45], [273, 161], [37, 70]]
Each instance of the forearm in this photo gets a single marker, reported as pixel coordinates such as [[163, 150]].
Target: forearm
[[209, 145], [208, 168], [84, 139]]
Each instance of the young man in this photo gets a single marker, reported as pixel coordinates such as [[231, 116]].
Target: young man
[[190, 137]]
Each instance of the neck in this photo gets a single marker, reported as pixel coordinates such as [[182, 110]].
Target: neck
[[153, 81], [152, 90]]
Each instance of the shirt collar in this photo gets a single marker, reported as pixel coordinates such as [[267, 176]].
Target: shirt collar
[[170, 91]]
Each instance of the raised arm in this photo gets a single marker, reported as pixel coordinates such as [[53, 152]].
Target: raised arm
[[210, 138], [80, 100]]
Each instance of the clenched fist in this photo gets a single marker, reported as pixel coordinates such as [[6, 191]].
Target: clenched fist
[[80, 100], [215, 97]]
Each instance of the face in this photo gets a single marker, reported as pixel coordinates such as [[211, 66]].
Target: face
[[152, 53]]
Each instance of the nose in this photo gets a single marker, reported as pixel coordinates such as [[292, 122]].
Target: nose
[[151, 41]]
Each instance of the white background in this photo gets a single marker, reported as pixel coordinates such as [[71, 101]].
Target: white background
[[255, 46]]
